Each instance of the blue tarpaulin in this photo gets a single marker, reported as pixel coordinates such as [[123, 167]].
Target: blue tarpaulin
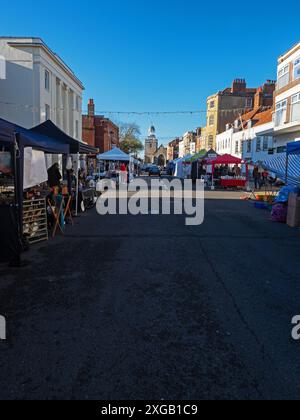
[[277, 164], [293, 148]]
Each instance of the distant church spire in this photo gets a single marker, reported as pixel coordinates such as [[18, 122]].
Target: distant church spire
[[152, 131]]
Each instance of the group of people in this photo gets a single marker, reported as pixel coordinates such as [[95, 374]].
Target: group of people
[[226, 170], [260, 177]]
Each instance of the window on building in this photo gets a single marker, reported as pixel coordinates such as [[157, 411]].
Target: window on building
[[77, 129], [281, 113], [249, 146], [258, 144], [47, 113], [212, 104], [266, 144], [211, 141], [295, 110], [297, 68], [77, 103], [237, 146], [249, 102], [47, 80], [211, 120], [283, 77]]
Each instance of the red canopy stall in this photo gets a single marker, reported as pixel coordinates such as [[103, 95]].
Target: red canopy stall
[[230, 179]]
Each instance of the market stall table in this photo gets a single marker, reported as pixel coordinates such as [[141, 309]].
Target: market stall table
[[232, 183]]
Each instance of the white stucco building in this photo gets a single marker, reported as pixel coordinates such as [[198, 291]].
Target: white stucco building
[[287, 98], [39, 86], [250, 137]]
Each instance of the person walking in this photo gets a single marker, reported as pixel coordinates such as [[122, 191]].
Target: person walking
[[123, 170], [256, 176]]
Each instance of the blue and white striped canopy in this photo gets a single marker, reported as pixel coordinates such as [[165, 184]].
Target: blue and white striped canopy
[[277, 165], [293, 148]]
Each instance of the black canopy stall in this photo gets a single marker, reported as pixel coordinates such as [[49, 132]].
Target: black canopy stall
[[14, 139], [48, 128]]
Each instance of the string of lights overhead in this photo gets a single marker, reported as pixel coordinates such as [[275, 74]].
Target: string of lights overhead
[[136, 113]]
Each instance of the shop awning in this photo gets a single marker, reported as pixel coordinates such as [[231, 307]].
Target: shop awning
[[115, 155], [49, 129], [277, 164], [293, 148]]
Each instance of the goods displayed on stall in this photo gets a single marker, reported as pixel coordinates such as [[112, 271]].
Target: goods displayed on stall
[[35, 220], [280, 206], [6, 178]]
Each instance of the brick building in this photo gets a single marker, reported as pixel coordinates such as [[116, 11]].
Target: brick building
[[225, 106], [99, 131], [173, 150]]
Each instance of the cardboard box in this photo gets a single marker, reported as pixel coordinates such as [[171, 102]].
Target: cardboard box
[[293, 217], [294, 200]]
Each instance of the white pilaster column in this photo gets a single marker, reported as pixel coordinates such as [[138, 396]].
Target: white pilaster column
[[60, 105], [66, 109]]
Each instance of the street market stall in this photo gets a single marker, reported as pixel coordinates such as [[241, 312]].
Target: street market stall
[[25, 183], [183, 167], [229, 171], [285, 166], [117, 165], [15, 143], [81, 152]]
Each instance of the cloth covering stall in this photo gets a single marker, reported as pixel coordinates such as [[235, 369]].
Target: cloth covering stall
[[293, 163], [183, 167], [285, 166], [115, 155], [49, 129]]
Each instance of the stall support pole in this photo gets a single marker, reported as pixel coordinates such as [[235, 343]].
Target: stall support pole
[[248, 188], [213, 178], [77, 185], [287, 168]]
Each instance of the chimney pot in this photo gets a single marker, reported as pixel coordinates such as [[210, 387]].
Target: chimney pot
[[91, 108]]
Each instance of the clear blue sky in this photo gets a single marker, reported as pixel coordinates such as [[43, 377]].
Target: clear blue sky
[[159, 55]]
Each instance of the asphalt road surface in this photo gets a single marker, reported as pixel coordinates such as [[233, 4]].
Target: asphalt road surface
[[144, 307]]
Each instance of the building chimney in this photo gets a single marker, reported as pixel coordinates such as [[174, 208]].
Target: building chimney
[[91, 108], [239, 86], [258, 99]]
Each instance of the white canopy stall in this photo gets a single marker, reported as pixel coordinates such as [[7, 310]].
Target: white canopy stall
[[115, 155]]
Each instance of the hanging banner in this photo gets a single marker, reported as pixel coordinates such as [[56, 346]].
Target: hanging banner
[[35, 170]]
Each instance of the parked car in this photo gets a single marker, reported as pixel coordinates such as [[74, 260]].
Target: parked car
[[154, 171]]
